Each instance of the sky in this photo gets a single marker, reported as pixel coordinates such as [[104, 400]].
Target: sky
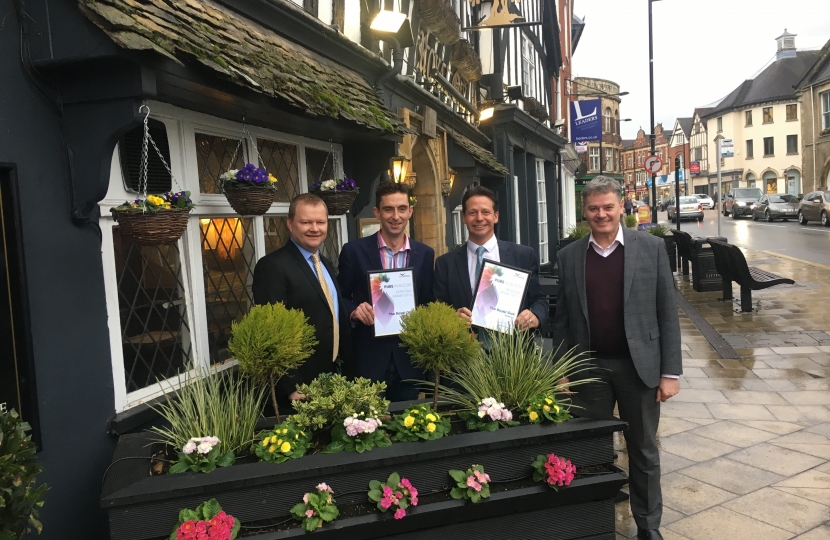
[[703, 49]]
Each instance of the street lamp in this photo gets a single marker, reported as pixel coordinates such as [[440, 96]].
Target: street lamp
[[393, 28], [653, 197], [399, 169]]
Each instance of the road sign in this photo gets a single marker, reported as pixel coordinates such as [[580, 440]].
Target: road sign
[[654, 164], [727, 148]]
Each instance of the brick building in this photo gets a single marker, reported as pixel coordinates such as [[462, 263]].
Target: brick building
[[632, 162]]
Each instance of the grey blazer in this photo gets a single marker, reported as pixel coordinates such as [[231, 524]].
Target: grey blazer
[[652, 326]]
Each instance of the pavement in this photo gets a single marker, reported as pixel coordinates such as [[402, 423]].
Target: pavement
[[745, 445]]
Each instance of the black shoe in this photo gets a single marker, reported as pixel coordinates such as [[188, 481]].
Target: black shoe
[[648, 534]]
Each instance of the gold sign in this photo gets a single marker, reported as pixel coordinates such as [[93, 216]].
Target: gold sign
[[499, 13], [429, 60]]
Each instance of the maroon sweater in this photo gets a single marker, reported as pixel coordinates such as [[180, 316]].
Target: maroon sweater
[[604, 292]]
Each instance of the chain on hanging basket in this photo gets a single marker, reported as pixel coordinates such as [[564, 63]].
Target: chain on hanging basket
[[338, 196], [154, 219], [250, 190]]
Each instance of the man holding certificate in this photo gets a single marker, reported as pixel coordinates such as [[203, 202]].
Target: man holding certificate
[[472, 273], [383, 276]]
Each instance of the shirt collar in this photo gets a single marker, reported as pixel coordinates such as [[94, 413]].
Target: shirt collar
[[382, 243], [619, 238], [306, 253], [489, 245]]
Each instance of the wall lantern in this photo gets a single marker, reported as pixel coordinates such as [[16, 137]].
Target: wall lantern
[[486, 114], [394, 27], [399, 169], [446, 185]]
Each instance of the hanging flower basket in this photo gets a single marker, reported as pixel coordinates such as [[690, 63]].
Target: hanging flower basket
[[250, 190], [466, 61], [535, 109], [441, 20], [157, 220], [338, 196]]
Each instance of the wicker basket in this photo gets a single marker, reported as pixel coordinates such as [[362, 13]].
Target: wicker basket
[[535, 109], [250, 201], [466, 61], [441, 20], [152, 229], [338, 202]]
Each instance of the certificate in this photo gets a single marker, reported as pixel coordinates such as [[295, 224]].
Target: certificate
[[393, 296], [499, 294]]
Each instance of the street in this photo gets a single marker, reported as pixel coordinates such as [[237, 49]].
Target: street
[[809, 242]]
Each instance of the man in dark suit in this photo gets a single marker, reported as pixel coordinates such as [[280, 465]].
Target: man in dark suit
[[382, 358], [456, 272], [616, 302], [301, 278]]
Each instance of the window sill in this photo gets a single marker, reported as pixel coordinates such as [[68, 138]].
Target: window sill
[[765, 123], [792, 153], [792, 120], [748, 125], [749, 157], [769, 155]]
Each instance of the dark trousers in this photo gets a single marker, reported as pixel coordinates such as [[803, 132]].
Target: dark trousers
[[397, 389], [620, 384], [628, 211]]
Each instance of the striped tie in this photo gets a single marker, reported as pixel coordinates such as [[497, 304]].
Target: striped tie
[[330, 299]]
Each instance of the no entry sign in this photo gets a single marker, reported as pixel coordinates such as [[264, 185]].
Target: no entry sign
[[653, 164]]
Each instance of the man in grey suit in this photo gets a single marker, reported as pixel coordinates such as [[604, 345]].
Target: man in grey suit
[[616, 302]]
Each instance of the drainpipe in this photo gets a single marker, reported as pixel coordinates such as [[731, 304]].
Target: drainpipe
[[397, 65], [813, 129]]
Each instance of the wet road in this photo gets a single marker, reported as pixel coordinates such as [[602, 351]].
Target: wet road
[[809, 242]]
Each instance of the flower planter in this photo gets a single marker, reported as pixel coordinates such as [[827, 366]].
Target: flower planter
[[152, 228], [440, 18], [465, 59], [139, 507], [338, 202], [671, 249], [250, 201]]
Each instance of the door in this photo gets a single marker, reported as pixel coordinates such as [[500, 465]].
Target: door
[[762, 206], [816, 205], [808, 207]]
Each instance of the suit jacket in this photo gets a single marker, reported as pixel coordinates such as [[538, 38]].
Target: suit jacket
[[285, 276], [452, 277], [371, 354], [652, 326]]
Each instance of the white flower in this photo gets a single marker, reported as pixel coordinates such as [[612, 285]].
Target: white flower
[[204, 448], [482, 414], [230, 175], [328, 185], [189, 447], [348, 421]]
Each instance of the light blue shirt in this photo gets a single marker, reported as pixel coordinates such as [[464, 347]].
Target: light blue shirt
[[307, 256]]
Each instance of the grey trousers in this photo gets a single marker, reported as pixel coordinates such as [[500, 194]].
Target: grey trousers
[[620, 384]]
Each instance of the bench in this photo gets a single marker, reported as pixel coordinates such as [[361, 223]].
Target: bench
[[684, 249], [732, 266]]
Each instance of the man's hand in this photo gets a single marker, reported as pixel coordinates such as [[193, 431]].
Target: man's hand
[[526, 320], [668, 388], [296, 396], [364, 313], [465, 314]]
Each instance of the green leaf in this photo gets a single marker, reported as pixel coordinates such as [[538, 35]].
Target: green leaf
[[298, 510], [490, 426], [334, 447], [187, 515], [383, 442], [236, 526], [485, 491], [226, 460], [375, 484], [457, 493], [360, 447], [393, 480], [329, 512], [210, 509], [375, 495], [458, 476], [179, 467], [310, 524], [475, 497]]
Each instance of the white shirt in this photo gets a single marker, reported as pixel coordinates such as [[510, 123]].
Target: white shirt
[[491, 251], [605, 252]]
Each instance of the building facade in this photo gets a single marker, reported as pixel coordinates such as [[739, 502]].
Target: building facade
[[814, 94], [679, 149], [633, 157], [699, 154]]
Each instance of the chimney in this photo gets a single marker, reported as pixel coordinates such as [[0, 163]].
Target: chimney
[[786, 45]]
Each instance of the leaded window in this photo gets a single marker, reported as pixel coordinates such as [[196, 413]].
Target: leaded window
[[281, 160], [319, 165], [215, 156]]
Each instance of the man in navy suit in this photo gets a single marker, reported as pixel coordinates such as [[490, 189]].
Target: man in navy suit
[[456, 272], [382, 358]]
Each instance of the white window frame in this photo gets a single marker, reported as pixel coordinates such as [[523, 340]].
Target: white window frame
[[182, 126], [517, 220], [593, 154], [825, 109], [460, 234], [528, 67], [542, 205], [609, 160]]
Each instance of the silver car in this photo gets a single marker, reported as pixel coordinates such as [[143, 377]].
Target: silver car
[[773, 206], [815, 206], [690, 208]]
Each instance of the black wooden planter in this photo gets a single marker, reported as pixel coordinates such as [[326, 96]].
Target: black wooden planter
[[140, 507], [671, 249]]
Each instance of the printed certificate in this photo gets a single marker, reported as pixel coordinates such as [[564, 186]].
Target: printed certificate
[[499, 294], [393, 296]]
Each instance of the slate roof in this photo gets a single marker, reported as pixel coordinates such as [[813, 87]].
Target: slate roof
[[244, 52], [820, 72], [480, 154], [685, 125], [774, 83]]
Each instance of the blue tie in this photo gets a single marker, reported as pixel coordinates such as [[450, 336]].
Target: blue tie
[[479, 262]]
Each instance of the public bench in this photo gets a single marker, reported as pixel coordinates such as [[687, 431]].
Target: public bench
[[732, 266], [684, 249]]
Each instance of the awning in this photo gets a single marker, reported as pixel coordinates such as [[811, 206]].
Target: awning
[[480, 154], [246, 53]]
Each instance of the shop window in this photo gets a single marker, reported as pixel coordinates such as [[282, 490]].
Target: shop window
[[277, 235], [228, 261], [129, 152], [768, 115], [214, 157], [792, 144], [542, 203], [281, 160], [769, 146], [792, 112], [152, 309]]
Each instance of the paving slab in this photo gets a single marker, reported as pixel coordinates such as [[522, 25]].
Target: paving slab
[[781, 428], [737, 411], [776, 459], [689, 496], [684, 410], [734, 434], [732, 476], [784, 510], [670, 463], [721, 523], [692, 395], [670, 426], [694, 447], [819, 533], [756, 398]]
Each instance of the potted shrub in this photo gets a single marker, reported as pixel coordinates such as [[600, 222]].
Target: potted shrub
[[574, 233], [671, 244], [20, 497], [631, 222], [269, 341], [437, 340]]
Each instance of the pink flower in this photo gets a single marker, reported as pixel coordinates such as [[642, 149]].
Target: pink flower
[[305, 498], [400, 513], [309, 513], [506, 415], [413, 500], [560, 472], [386, 502], [324, 487], [405, 483], [351, 430], [387, 491], [471, 482], [399, 495]]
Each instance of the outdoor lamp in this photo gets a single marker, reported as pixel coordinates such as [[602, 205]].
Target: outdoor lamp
[[446, 185], [486, 114], [394, 27], [399, 166], [515, 92]]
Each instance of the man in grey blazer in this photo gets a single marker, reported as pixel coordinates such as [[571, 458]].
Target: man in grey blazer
[[616, 302]]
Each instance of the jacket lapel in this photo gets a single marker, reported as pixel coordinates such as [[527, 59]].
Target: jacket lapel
[[630, 238], [372, 251], [579, 263], [308, 272], [463, 273], [506, 255]]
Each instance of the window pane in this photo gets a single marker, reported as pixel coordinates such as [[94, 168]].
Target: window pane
[[749, 149], [792, 144], [318, 165], [228, 261], [749, 118], [331, 247], [767, 115], [792, 113], [281, 160], [276, 232], [215, 156], [152, 307], [769, 147]]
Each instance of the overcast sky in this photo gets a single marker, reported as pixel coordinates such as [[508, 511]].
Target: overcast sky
[[703, 49]]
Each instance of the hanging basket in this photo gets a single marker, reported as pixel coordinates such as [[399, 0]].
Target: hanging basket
[[441, 20], [338, 202], [250, 201], [466, 61], [152, 229], [535, 109]]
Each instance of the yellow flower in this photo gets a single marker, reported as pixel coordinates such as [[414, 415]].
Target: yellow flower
[[266, 441], [529, 408], [431, 417], [302, 433], [285, 430], [158, 201], [408, 421], [556, 408], [415, 411], [272, 178], [430, 427], [272, 448], [286, 447], [273, 439], [279, 442], [547, 409], [296, 437], [533, 416], [548, 400]]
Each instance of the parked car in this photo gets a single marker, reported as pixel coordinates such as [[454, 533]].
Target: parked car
[[690, 208], [664, 205], [740, 201], [705, 201], [815, 206], [772, 207]]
